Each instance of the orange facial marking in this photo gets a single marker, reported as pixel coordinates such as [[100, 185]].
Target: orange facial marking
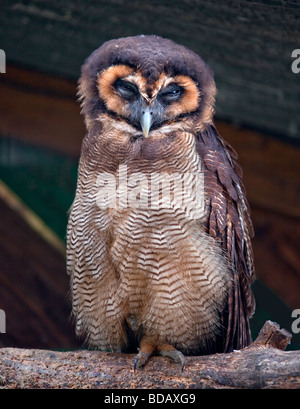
[[190, 99], [188, 102], [106, 80]]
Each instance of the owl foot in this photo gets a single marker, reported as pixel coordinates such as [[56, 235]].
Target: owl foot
[[145, 351], [148, 348], [140, 360], [173, 353]]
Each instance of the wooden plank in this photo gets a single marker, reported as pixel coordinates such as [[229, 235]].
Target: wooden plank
[[34, 287], [40, 109], [276, 253], [271, 169], [31, 218]]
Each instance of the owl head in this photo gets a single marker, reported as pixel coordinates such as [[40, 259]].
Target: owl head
[[147, 82]]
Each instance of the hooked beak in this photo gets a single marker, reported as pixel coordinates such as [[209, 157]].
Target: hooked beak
[[146, 121]]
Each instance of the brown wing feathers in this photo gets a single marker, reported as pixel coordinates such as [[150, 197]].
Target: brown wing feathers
[[229, 222]]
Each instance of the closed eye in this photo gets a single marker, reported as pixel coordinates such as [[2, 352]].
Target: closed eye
[[170, 93], [126, 89]]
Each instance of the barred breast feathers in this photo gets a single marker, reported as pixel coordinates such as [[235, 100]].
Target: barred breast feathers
[[156, 264]]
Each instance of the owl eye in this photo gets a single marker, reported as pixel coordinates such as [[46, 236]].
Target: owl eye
[[171, 93], [126, 89]]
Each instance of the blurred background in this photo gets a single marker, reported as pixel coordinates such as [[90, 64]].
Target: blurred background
[[248, 44]]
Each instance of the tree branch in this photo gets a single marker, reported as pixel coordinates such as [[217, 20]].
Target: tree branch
[[264, 364]]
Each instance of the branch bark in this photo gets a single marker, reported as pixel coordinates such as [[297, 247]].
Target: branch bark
[[264, 364]]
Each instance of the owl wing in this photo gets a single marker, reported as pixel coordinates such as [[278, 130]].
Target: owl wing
[[229, 223]]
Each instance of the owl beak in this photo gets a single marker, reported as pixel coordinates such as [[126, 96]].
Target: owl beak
[[146, 121]]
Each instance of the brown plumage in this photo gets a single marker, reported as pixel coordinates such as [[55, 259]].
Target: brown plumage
[[148, 271]]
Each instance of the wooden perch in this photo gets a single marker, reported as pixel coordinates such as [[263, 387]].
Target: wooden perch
[[264, 364]]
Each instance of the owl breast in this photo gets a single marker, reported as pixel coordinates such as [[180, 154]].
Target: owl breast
[[169, 270]]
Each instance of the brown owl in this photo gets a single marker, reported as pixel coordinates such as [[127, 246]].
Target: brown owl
[[158, 241]]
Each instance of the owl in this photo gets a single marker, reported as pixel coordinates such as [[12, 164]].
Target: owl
[[159, 234]]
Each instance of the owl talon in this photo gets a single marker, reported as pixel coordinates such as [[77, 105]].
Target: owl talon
[[140, 360], [175, 355]]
